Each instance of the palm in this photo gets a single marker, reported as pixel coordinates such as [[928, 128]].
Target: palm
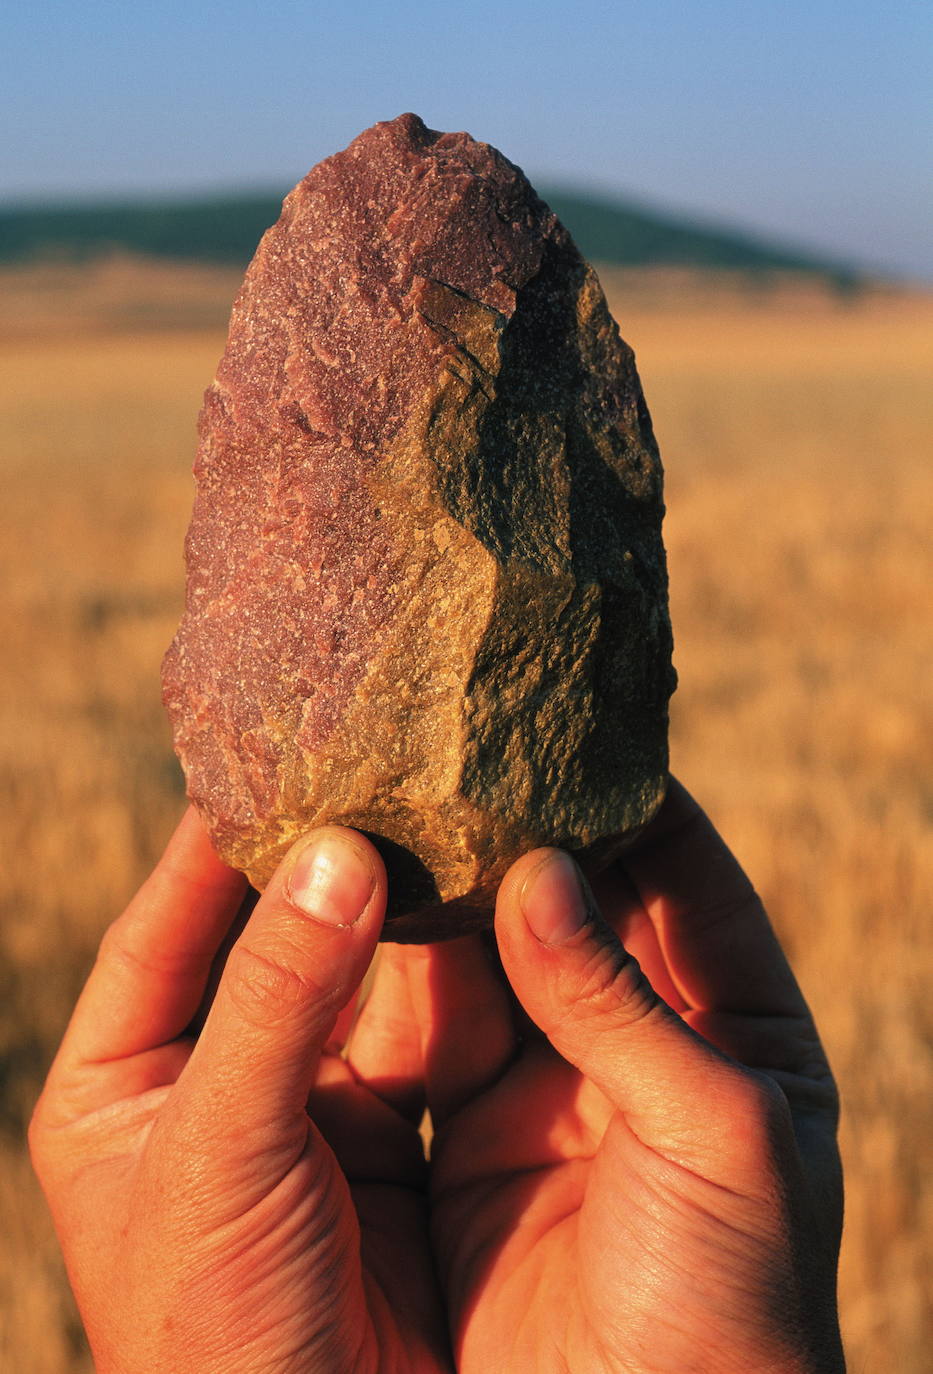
[[566, 1243], [514, 1212], [370, 1238]]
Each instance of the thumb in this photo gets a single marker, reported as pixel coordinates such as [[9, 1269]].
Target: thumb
[[297, 963], [589, 996]]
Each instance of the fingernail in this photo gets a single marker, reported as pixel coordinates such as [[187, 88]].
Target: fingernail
[[331, 881], [553, 900]]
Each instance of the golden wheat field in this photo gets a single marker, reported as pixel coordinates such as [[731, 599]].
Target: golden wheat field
[[797, 432]]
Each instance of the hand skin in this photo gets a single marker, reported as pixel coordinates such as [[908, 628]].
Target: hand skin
[[207, 1225], [617, 1183]]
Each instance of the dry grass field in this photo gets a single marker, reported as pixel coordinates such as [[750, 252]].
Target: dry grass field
[[797, 433]]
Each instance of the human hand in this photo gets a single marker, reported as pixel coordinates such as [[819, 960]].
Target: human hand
[[243, 1200], [622, 1183]]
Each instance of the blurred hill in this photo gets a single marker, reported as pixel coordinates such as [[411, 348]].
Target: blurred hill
[[225, 231]]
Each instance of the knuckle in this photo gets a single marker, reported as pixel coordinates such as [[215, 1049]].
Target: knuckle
[[724, 912], [807, 1058], [826, 1085], [768, 1101], [609, 989], [36, 1136], [42, 1135], [266, 989], [761, 1114], [117, 947]]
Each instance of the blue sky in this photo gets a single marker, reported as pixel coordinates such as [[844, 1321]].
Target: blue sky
[[809, 121]]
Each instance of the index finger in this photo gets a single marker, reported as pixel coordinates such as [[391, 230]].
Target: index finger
[[155, 960], [714, 933]]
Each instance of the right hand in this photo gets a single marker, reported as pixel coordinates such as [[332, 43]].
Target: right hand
[[621, 1182]]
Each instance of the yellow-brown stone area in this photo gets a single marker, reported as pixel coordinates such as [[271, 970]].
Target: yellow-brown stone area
[[426, 583]]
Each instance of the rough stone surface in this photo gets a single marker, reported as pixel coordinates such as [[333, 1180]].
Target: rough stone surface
[[426, 588]]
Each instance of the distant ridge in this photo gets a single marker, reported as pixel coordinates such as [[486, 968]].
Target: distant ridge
[[226, 229], [218, 229], [630, 236]]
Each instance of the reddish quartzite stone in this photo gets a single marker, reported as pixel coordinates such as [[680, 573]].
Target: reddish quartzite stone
[[426, 587]]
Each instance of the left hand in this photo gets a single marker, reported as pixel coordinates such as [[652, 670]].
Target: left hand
[[242, 1199]]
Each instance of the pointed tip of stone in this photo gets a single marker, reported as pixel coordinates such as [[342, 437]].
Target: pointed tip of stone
[[406, 129]]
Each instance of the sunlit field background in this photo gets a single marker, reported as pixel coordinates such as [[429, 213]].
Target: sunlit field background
[[797, 433]]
